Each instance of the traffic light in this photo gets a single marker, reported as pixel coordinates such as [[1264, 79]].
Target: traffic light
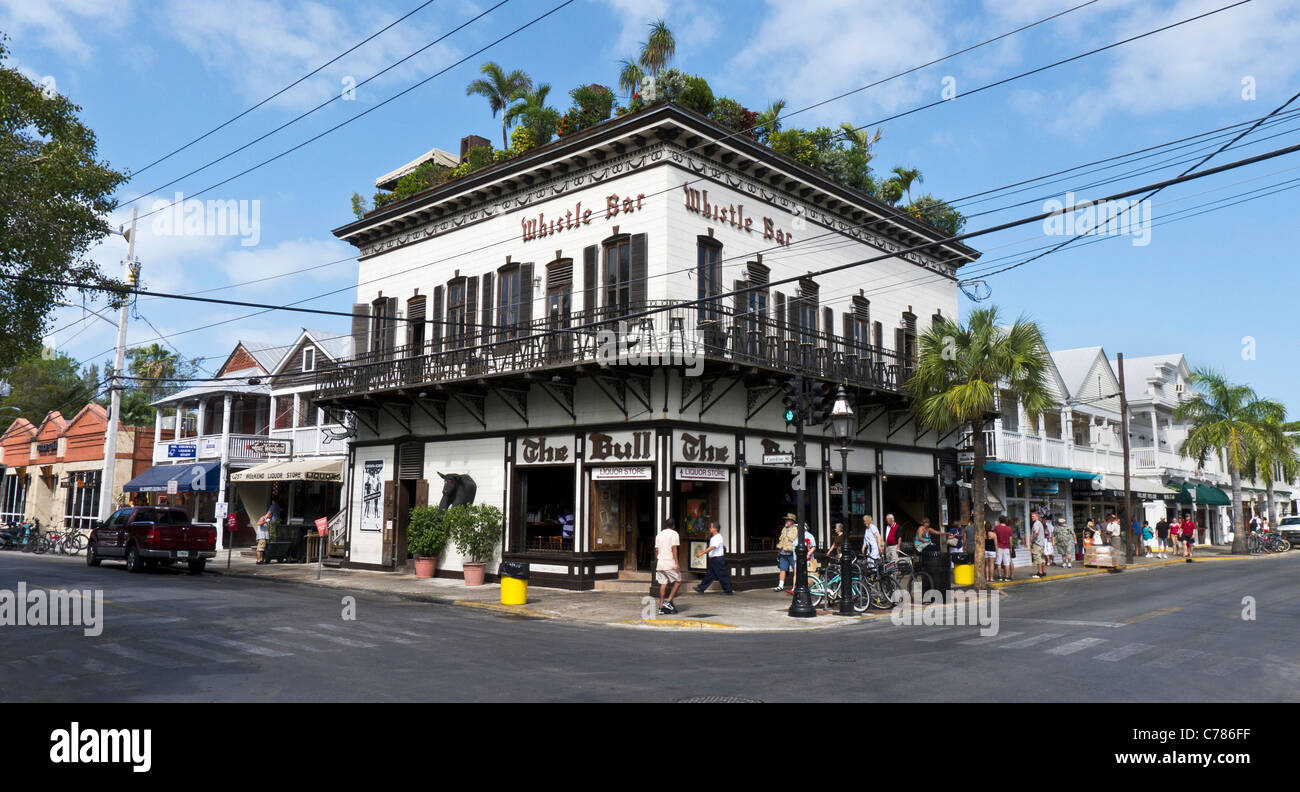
[[792, 400], [822, 398]]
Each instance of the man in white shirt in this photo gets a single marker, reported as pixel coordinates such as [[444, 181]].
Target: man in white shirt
[[717, 562], [667, 569], [1038, 539]]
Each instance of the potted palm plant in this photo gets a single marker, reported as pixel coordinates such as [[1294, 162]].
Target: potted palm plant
[[476, 531], [426, 536]]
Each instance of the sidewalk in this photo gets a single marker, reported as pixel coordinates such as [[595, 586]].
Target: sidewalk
[[744, 611], [1024, 574]]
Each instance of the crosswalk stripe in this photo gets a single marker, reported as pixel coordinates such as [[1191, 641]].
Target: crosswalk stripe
[[243, 646], [87, 665], [332, 638], [1075, 646], [191, 649], [1121, 652], [1032, 640], [141, 657], [983, 639]]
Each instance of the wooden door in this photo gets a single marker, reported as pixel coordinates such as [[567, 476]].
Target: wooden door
[[400, 521], [390, 508]]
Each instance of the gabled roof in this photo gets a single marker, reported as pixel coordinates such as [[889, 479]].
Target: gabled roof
[[19, 425], [437, 156], [52, 418], [1140, 369], [268, 356], [89, 412], [1074, 365], [331, 343]]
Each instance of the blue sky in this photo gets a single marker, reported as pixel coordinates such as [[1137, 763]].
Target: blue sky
[[151, 76]]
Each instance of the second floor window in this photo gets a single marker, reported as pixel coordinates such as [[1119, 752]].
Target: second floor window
[[508, 305], [456, 316], [708, 273], [861, 333], [309, 359], [415, 325], [618, 277]]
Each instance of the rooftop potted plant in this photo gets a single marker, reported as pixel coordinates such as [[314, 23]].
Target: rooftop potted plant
[[476, 530], [426, 536]]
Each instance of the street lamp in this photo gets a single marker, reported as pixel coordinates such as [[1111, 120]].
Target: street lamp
[[842, 423]]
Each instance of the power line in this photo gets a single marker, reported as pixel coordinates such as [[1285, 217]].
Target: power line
[[368, 110], [296, 82]]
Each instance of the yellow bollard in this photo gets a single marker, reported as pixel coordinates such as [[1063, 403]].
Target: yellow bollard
[[514, 591]]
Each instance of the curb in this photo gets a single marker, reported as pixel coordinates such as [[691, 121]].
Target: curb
[[1133, 568]]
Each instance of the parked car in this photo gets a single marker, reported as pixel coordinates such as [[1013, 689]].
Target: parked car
[[1289, 527], [145, 536]]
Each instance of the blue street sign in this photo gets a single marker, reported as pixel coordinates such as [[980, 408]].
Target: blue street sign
[[183, 450]]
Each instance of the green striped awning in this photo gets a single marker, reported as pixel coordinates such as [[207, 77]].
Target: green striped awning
[[1037, 471]]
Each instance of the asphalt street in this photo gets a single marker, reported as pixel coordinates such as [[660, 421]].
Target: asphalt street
[[1175, 633]]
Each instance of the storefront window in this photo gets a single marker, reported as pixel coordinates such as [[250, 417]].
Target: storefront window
[[546, 494], [14, 503], [81, 508]]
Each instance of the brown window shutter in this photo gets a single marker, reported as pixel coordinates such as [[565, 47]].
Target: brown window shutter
[[780, 317], [360, 328], [438, 318], [638, 272], [488, 334], [740, 323], [390, 326], [828, 321], [525, 296], [590, 284]]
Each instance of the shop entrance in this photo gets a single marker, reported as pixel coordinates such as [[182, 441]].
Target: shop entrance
[[695, 503], [768, 498], [544, 520], [622, 518], [910, 500]]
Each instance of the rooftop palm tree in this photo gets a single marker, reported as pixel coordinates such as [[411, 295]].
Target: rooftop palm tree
[[659, 49], [629, 76], [905, 177], [1277, 459], [959, 372], [500, 89], [1232, 420], [769, 120], [527, 99]]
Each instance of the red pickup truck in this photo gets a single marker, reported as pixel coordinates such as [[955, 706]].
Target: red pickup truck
[[145, 536]]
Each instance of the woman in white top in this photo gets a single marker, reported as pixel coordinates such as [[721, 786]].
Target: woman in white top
[[871, 540]]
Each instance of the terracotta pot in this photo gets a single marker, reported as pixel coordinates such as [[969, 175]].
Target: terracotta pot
[[424, 567], [474, 574]]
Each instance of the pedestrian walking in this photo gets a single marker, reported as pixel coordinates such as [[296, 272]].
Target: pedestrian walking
[[785, 550], [837, 542], [990, 552], [717, 569], [1064, 541], [1003, 534], [1162, 538], [668, 569], [891, 538], [1038, 539], [1188, 536], [871, 540], [1148, 537]]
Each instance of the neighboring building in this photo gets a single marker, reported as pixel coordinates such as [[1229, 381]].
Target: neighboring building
[[54, 472], [488, 309]]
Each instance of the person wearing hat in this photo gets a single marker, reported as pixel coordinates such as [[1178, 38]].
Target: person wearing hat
[[785, 550], [1064, 539]]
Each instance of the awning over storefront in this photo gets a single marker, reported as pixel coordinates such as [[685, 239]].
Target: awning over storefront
[[329, 470], [1036, 471], [196, 477], [1143, 488], [1205, 496]]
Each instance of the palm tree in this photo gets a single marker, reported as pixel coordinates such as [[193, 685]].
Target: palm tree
[[527, 100], [1277, 456], [904, 177], [629, 77], [500, 89], [658, 49], [769, 120], [959, 371], [1232, 420]]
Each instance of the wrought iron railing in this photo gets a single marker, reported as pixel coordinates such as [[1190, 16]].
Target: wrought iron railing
[[673, 335]]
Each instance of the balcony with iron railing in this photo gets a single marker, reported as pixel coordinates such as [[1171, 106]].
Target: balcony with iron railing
[[673, 334]]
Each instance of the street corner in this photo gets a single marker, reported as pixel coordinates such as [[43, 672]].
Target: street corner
[[519, 611], [677, 624]]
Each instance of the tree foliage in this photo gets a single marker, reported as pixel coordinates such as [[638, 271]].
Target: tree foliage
[[41, 384], [54, 194], [500, 89]]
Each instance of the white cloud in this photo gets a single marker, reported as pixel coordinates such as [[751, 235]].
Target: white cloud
[[57, 24], [259, 46]]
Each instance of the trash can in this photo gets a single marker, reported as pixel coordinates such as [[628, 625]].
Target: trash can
[[935, 563], [514, 582], [963, 568]]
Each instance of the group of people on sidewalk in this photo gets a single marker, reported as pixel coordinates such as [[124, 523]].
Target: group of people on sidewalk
[[1176, 536]]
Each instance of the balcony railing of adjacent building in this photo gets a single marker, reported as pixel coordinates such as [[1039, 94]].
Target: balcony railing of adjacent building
[[308, 440], [1031, 449], [675, 334], [239, 447]]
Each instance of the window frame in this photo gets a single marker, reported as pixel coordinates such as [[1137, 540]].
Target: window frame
[[616, 292]]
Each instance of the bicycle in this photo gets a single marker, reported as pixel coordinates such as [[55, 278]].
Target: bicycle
[[909, 578], [861, 591]]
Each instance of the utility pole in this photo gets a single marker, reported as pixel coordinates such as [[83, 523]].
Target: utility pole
[[1129, 539], [131, 272]]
